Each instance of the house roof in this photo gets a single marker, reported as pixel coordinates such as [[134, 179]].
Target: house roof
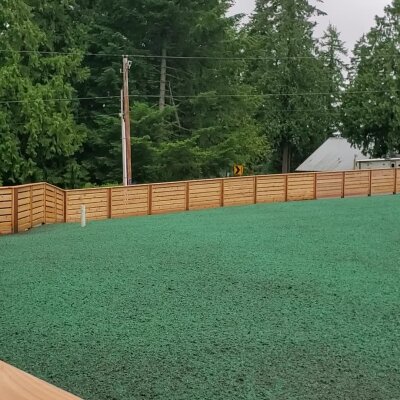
[[336, 154]]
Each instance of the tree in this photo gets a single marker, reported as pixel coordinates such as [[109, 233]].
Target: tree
[[333, 53], [371, 107], [38, 133], [59, 121], [290, 77], [198, 122]]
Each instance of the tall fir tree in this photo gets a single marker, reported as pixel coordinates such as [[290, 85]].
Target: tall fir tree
[[333, 55], [38, 133], [371, 108], [204, 126], [289, 76], [196, 124]]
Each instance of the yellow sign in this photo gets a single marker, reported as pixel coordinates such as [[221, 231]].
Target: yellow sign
[[238, 170]]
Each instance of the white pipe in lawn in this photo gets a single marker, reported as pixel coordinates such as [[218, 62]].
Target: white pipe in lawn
[[83, 216]]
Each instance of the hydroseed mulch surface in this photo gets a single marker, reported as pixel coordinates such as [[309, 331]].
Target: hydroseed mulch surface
[[281, 301]]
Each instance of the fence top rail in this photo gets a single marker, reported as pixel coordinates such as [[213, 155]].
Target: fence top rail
[[54, 187], [31, 184], [198, 180], [209, 180], [25, 185], [104, 188], [154, 184]]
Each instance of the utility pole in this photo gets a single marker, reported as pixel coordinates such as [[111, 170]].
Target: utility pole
[[126, 65], [123, 138], [163, 80]]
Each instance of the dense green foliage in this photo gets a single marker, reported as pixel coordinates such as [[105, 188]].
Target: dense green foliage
[[371, 109], [198, 134], [333, 53], [265, 94], [38, 133], [282, 32], [154, 308]]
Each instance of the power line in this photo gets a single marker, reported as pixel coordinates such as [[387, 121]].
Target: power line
[[58, 99], [86, 116], [317, 112], [211, 96], [153, 56], [79, 117], [220, 58]]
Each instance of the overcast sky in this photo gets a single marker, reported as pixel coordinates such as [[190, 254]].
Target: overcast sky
[[351, 17]]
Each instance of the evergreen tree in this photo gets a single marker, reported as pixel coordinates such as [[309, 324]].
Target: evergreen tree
[[196, 124], [38, 133], [290, 76], [206, 122], [371, 109], [333, 53]]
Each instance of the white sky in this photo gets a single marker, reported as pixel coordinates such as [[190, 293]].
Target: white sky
[[351, 17]]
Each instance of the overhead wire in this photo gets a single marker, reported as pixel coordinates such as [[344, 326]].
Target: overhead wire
[[171, 57], [205, 95], [152, 56]]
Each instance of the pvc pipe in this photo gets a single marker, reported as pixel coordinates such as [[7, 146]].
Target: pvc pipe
[[83, 216]]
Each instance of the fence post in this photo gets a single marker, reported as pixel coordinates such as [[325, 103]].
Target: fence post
[[55, 205], [15, 210], [65, 205], [44, 203], [149, 199], [286, 187], [109, 193], [370, 183], [187, 193], [222, 200], [31, 207], [315, 186], [395, 181], [343, 184], [255, 190]]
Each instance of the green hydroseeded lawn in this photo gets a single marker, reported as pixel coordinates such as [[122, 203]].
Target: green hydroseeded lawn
[[280, 301]]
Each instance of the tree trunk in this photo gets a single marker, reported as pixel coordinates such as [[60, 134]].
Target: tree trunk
[[173, 103], [286, 158], [163, 80]]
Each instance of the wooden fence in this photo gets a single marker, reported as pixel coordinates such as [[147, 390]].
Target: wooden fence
[[27, 206]]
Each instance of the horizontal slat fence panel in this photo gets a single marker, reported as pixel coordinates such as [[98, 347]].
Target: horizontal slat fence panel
[[38, 205], [60, 204], [301, 187], [239, 191], [329, 185], [205, 194], [54, 204], [382, 182], [130, 201], [6, 210], [397, 188], [271, 188], [95, 200], [168, 197], [51, 204], [26, 206], [357, 183]]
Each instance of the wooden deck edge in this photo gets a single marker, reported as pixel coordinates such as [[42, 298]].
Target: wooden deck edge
[[18, 385]]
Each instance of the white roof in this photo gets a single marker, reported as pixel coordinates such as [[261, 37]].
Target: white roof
[[336, 154]]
